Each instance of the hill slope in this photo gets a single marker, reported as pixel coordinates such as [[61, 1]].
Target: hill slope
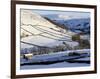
[[36, 31]]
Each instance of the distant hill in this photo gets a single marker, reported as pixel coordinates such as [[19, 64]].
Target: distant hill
[[76, 25]]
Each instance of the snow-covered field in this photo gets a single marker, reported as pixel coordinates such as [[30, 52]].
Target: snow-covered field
[[58, 56], [59, 59]]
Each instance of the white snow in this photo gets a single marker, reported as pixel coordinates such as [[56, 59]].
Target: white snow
[[42, 41]]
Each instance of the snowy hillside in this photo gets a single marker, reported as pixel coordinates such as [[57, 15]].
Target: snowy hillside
[[38, 31], [30, 19], [40, 34]]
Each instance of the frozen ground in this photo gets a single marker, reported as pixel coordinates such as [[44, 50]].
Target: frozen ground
[[56, 65]]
